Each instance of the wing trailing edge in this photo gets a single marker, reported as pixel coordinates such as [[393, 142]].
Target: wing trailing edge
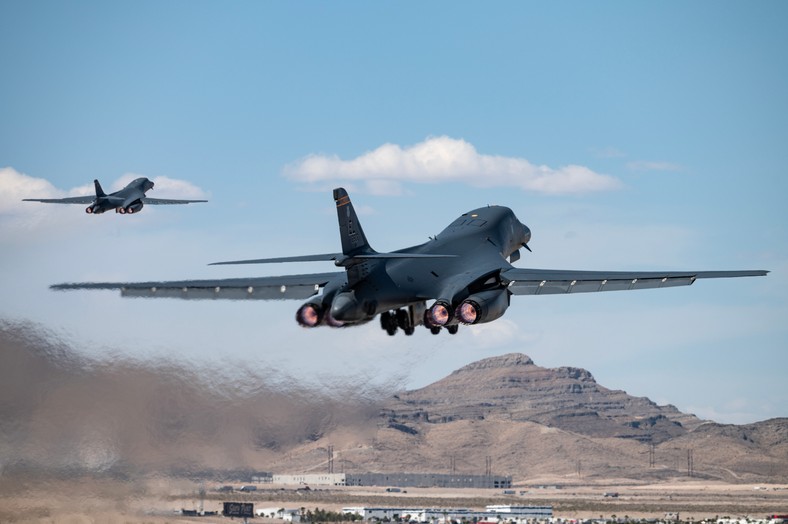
[[551, 282], [259, 288]]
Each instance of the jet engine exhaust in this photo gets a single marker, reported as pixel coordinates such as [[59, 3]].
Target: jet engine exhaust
[[439, 314], [309, 315], [314, 314], [468, 312]]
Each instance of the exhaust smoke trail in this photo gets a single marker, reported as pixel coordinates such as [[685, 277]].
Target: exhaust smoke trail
[[65, 414]]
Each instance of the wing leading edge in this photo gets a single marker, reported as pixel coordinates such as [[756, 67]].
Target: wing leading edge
[[552, 282], [259, 288]]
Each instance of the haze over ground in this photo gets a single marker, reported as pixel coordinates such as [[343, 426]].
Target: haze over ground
[[626, 136]]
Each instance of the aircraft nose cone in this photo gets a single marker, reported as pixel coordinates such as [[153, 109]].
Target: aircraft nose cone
[[526, 234]]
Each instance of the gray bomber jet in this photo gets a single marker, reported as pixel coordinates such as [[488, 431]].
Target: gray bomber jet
[[464, 275], [126, 201]]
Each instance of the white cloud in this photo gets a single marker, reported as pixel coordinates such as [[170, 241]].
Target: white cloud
[[14, 186], [445, 159]]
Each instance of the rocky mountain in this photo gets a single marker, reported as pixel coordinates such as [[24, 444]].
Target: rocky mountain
[[512, 387], [551, 424]]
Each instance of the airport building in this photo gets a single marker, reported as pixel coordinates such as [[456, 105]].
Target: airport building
[[401, 480], [311, 479], [288, 515], [491, 514]]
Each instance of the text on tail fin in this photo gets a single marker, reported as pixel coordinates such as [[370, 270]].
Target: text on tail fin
[[354, 242]]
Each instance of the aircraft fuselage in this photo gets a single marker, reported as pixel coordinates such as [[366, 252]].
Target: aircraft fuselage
[[479, 243]]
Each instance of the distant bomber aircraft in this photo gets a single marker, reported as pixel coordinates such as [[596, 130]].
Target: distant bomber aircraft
[[128, 200], [461, 276]]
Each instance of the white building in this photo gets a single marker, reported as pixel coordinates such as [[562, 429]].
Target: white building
[[315, 479], [402, 480], [491, 514], [290, 515], [521, 512]]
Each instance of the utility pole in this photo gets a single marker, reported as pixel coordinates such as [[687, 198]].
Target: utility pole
[[330, 459]]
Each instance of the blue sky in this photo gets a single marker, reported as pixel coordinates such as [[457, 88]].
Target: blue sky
[[627, 135]]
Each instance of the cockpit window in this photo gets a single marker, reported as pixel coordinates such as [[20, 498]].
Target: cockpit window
[[464, 221]]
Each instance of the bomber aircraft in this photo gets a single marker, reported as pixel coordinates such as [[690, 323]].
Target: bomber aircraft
[[464, 275], [126, 201]]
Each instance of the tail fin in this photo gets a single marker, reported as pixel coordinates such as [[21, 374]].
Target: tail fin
[[99, 192], [354, 242]]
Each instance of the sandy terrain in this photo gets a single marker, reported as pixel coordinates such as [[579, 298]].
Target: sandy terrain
[[158, 500]]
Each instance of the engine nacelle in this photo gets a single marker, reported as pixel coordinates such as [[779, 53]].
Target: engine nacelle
[[134, 207], [482, 307], [345, 307]]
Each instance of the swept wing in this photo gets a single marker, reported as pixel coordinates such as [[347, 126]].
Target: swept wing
[[67, 200], [555, 281], [167, 201], [258, 288]]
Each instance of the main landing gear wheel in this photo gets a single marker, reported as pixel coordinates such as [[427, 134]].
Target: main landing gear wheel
[[389, 323], [403, 321], [452, 329]]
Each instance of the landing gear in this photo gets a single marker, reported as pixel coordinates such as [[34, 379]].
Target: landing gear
[[404, 321], [390, 321], [407, 318]]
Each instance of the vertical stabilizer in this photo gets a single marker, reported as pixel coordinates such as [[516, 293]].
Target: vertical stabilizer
[[354, 242], [99, 192]]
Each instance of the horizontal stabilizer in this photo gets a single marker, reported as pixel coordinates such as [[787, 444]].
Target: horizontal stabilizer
[[373, 256], [338, 258], [302, 258]]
